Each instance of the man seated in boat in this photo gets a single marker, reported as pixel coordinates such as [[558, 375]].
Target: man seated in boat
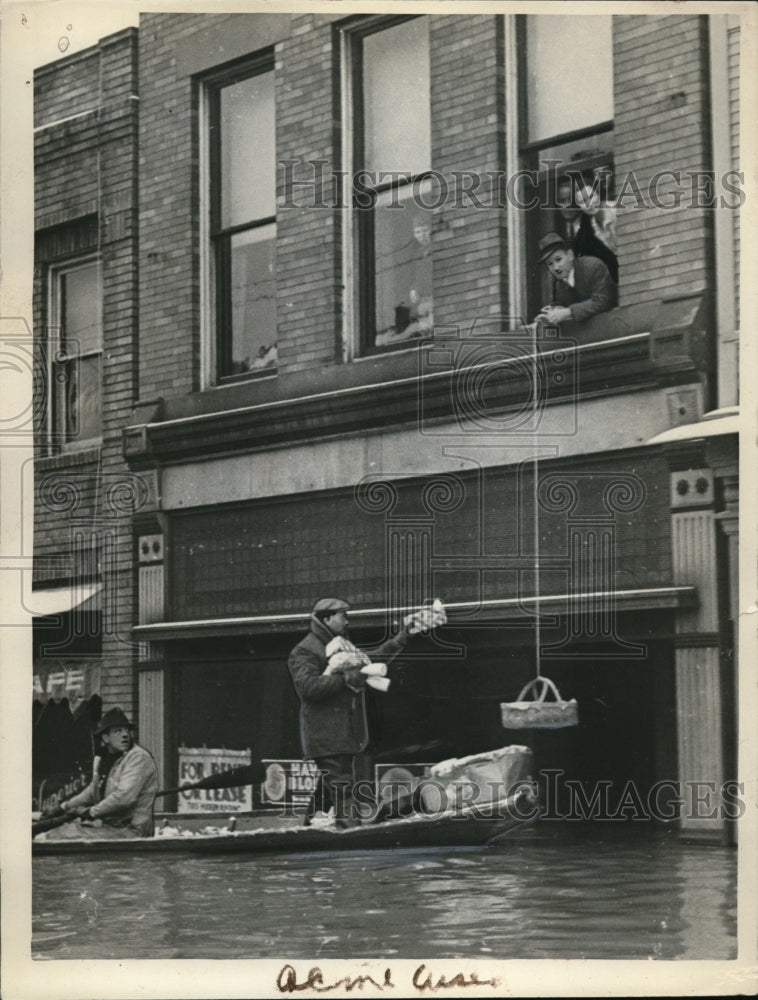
[[333, 721], [582, 286], [119, 800]]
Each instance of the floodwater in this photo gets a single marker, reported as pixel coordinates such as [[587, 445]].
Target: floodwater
[[553, 890]]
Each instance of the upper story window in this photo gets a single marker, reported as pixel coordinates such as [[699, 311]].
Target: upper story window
[[391, 159], [242, 162], [75, 351], [567, 136]]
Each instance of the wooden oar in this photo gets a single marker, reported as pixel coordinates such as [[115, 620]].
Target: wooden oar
[[248, 774], [58, 819], [415, 749], [235, 777], [50, 822]]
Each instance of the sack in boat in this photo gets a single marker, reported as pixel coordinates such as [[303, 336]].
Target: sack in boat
[[479, 778], [533, 711]]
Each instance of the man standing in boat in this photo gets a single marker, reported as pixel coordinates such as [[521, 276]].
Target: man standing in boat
[[119, 800], [333, 723]]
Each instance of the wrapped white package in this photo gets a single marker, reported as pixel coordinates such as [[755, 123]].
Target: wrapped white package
[[426, 618]]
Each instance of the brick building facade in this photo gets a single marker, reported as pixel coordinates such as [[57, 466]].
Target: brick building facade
[[392, 444]]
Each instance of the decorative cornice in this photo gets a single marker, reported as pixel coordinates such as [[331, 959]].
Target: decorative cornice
[[608, 367]]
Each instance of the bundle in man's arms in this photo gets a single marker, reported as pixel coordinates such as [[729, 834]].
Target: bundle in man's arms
[[347, 659]]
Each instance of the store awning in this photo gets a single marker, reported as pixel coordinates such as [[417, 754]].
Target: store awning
[[459, 612], [714, 424], [57, 600]]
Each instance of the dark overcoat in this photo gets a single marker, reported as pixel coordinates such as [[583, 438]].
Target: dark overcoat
[[586, 244], [332, 716], [593, 291]]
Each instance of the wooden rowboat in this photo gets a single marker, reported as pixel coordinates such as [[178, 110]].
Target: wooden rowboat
[[474, 826]]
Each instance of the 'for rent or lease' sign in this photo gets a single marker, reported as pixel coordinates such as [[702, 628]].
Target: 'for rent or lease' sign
[[198, 763]]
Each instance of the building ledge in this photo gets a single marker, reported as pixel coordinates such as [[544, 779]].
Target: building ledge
[[459, 613], [460, 379]]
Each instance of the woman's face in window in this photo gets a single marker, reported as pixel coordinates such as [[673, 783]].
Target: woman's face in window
[[422, 233], [566, 204]]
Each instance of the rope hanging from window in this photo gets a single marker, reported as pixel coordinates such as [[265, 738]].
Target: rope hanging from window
[[531, 710]]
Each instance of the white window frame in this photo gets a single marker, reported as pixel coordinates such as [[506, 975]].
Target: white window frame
[[515, 218], [55, 429], [208, 277], [351, 34], [520, 153], [207, 272]]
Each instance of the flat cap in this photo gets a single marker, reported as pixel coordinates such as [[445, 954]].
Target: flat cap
[[550, 243], [330, 604]]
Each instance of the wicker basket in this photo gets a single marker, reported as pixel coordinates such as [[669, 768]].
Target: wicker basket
[[537, 712]]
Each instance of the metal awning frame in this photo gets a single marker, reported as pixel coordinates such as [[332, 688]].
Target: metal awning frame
[[460, 612]]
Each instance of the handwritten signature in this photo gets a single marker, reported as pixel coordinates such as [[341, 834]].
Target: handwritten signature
[[422, 980]]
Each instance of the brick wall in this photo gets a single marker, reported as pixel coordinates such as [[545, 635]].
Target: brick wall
[[168, 249], [467, 135], [67, 87], [86, 201], [661, 123], [308, 256]]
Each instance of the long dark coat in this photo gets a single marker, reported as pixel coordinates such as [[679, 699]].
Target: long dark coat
[[332, 716], [586, 244]]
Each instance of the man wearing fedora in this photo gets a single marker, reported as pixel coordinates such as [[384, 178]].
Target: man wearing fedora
[[333, 722], [582, 286], [118, 802]]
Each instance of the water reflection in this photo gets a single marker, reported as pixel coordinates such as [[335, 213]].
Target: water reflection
[[549, 892]]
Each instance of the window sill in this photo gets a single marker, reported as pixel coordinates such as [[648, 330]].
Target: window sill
[[246, 377], [84, 455], [407, 347]]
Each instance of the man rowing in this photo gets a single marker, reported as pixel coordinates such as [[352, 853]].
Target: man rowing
[[118, 802]]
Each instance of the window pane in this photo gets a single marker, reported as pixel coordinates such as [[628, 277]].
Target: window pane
[[248, 152], [570, 72], [83, 414], [396, 98], [253, 303], [80, 309], [403, 269]]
